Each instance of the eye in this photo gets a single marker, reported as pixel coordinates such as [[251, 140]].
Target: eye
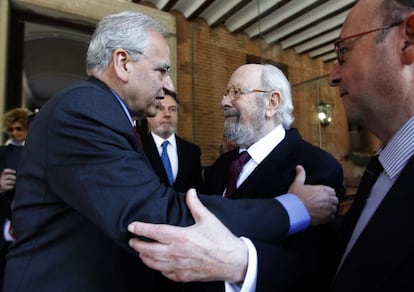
[[236, 91], [172, 109], [164, 69]]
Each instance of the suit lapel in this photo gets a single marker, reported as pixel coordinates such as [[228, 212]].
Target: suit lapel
[[182, 155], [391, 226], [153, 156], [277, 165]]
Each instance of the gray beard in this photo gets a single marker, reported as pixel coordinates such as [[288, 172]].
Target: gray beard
[[243, 135]]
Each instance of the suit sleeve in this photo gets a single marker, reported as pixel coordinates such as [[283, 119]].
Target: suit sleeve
[[95, 166]]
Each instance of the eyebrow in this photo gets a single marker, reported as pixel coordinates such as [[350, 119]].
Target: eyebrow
[[164, 68]]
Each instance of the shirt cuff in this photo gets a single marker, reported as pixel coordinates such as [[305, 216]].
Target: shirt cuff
[[299, 217], [249, 283]]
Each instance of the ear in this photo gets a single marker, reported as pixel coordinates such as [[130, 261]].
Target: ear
[[273, 104], [407, 50], [121, 61]]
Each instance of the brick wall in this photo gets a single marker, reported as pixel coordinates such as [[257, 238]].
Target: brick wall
[[206, 57]]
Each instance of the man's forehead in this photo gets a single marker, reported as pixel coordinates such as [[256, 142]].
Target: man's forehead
[[363, 16], [168, 100], [244, 76]]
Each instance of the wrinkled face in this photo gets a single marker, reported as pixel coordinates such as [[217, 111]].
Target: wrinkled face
[[165, 122], [148, 76], [17, 132], [243, 110]]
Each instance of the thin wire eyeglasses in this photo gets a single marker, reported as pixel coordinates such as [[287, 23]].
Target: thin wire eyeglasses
[[339, 43], [234, 93]]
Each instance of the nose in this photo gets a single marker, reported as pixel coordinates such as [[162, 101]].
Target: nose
[[335, 76], [226, 101], [168, 83]]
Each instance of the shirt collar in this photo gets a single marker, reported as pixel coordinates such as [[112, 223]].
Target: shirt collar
[[124, 107], [395, 155], [259, 150], [158, 140]]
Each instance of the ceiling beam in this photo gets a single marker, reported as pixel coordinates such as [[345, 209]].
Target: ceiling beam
[[318, 41], [314, 16], [277, 17], [219, 11], [311, 32]]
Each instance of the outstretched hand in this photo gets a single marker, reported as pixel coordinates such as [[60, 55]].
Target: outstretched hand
[[321, 201], [205, 251]]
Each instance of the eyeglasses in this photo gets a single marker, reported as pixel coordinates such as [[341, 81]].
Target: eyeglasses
[[340, 49], [12, 129], [234, 93]]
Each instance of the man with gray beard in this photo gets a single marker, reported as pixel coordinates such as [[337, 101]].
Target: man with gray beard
[[258, 109]]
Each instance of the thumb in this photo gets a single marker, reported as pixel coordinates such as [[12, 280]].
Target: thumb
[[195, 206], [300, 177]]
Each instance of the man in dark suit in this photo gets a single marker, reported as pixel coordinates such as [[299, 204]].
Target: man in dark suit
[[84, 177], [184, 156], [258, 116], [374, 75]]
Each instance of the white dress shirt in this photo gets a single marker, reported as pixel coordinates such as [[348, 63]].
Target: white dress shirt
[[299, 217], [171, 149]]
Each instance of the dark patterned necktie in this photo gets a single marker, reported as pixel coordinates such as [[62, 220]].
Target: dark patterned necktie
[[370, 176], [236, 167]]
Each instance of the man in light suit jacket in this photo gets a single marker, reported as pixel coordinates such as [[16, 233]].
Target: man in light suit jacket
[[84, 177], [258, 116], [184, 155], [374, 75]]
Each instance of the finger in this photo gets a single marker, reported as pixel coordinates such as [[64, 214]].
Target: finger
[[157, 232], [155, 264], [197, 209], [9, 171], [299, 179], [300, 175]]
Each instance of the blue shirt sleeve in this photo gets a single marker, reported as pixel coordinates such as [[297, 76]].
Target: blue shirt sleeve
[[299, 216]]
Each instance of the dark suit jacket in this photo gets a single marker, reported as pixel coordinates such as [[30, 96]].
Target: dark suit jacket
[[188, 176], [303, 262], [9, 158], [381, 260], [189, 165], [83, 177]]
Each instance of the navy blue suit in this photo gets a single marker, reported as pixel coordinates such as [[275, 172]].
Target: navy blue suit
[[83, 178], [9, 158], [188, 176], [303, 262]]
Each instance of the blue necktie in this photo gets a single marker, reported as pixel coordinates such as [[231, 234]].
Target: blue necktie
[[166, 161]]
